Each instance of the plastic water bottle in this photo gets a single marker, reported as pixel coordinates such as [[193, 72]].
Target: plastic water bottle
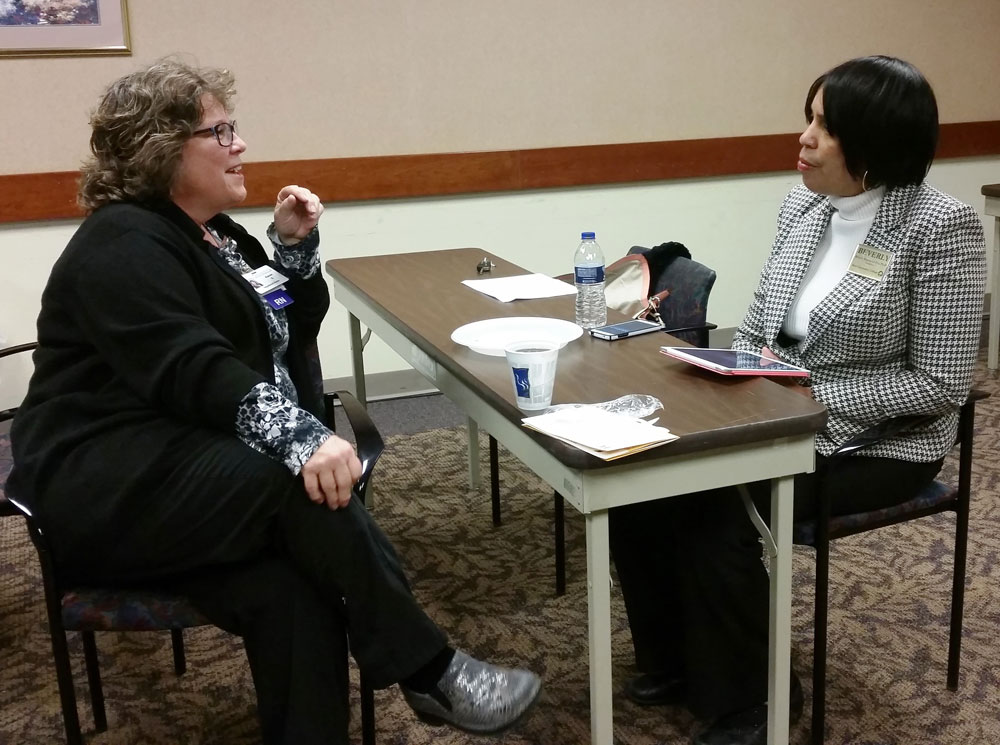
[[588, 274]]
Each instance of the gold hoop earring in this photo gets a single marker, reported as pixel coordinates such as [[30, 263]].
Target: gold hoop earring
[[864, 186]]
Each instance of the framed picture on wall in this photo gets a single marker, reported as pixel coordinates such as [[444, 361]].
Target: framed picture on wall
[[54, 28]]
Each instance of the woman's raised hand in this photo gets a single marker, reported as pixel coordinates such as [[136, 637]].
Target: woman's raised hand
[[296, 212]]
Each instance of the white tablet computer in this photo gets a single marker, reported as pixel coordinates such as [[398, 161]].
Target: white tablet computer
[[731, 362]]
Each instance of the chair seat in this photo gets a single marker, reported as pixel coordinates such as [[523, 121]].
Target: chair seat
[[935, 495], [99, 609]]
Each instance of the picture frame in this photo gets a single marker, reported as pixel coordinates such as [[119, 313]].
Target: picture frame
[[64, 28]]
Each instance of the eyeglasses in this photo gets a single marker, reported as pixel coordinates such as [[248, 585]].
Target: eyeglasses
[[224, 132]]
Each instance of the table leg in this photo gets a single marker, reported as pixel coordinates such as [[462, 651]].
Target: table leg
[[599, 624], [357, 358], [473, 453], [779, 670], [993, 342]]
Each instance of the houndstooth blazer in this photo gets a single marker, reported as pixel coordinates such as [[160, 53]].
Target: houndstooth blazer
[[877, 349]]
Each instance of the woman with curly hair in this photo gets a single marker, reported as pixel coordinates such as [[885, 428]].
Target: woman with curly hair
[[170, 431]]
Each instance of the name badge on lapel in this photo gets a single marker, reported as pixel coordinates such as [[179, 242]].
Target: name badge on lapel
[[870, 262], [269, 284]]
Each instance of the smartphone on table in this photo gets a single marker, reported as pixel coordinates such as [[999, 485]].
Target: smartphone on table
[[614, 331]]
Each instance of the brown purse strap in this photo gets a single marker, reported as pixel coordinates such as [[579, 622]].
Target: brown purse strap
[[652, 310]]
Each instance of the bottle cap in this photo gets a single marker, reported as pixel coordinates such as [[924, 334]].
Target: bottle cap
[[585, 236]]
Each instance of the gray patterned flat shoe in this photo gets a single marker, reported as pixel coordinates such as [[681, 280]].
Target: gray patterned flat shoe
[[476, 696]]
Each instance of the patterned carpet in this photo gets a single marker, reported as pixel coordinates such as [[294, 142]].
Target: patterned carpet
[[492, 590]]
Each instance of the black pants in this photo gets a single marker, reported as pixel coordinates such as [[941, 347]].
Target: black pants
[[695, 587], [235, 531]]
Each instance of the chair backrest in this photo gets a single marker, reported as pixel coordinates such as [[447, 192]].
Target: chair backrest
[[6, 459], [690, 284], [21, 349]]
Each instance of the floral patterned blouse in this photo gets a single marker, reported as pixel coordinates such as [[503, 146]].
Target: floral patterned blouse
[[268, 418]]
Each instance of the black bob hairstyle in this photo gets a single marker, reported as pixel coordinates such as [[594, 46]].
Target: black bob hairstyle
[[883, 112]]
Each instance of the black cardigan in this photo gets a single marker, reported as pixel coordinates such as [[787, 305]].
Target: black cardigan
[[146, 332]]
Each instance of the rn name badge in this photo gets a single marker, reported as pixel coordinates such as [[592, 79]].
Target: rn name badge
[[870, 262], [278, 299]]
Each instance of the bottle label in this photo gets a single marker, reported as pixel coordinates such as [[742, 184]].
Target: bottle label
[[589, 275]]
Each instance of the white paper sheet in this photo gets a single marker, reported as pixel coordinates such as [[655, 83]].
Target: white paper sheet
[[521, 287], [599, 432]]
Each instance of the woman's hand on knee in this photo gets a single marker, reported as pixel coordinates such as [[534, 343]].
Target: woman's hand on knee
[[331, 472]]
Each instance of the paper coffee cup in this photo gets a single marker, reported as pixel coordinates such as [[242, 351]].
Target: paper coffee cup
[[532, 366]]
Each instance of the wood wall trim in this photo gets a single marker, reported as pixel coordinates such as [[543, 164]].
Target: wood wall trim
[[51, 196]]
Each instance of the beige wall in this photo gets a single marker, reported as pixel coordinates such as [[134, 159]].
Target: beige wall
[[728, 223], [327, 78]]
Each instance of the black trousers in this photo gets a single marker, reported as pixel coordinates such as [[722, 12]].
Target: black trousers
[[695, 588], [236, 532]]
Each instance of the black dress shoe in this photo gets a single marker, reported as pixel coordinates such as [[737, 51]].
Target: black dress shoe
[[749, 726], [654, 689]]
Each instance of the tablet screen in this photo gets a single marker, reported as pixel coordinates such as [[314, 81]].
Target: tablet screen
[[731, 362]]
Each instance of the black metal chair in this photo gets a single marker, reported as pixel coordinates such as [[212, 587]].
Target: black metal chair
[[684, 314], [91, 609], [6, 508], [937, 497]]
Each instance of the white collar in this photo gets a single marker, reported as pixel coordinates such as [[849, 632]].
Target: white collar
[[861, 206]]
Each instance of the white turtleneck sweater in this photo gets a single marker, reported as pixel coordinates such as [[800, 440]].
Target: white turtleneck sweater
[[849, 225]]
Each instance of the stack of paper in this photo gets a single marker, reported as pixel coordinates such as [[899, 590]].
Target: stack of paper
[[598, 432], [521, 287]]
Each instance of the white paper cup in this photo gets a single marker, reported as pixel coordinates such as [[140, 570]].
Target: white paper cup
[[533, 372]]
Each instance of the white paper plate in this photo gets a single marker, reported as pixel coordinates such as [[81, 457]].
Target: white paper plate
[[493, 334]]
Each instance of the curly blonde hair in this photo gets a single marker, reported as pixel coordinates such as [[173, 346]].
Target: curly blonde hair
[[140, 127]]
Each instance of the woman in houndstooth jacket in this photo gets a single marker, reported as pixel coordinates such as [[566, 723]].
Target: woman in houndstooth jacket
[[875, 284]]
